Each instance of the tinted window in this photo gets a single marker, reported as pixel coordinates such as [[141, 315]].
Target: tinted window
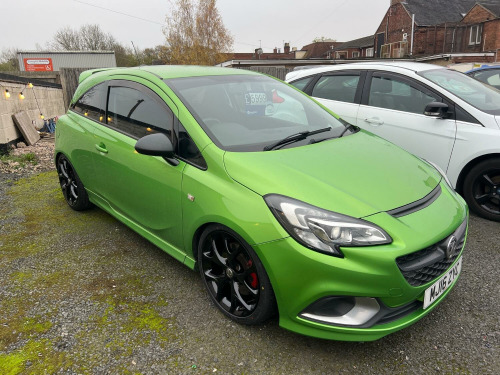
[[302, 83], [137, 114], [188, 150], [390, 93], [92, 103], [337, 87]]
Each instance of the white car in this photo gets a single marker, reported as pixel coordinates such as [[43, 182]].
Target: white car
[[438, 114]]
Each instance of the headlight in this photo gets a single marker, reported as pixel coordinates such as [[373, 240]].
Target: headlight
[[441, 172], [323, 230]]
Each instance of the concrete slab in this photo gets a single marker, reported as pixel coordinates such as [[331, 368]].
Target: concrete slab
[[24, 124]]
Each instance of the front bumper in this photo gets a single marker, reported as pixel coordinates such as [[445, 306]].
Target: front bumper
[[301, 277]]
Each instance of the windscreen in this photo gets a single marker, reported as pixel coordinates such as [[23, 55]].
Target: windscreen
[[246, 113], [483, 97]]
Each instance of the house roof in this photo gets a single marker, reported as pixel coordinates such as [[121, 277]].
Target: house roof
[[367, 41], [318, 49], [435, 12], [492, 5]]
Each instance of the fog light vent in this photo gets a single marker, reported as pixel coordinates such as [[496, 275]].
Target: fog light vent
[[344, 310]]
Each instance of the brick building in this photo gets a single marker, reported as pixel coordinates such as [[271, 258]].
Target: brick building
[[464, 29], [354, 49]]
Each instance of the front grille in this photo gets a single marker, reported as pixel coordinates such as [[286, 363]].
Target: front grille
[[422, 266]]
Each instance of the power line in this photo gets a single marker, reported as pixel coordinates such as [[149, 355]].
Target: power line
[[146, 20], [117, 12], [316, 24]]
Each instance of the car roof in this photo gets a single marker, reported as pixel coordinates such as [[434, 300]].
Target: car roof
[[172, 71], [487, 67], [411, 66]]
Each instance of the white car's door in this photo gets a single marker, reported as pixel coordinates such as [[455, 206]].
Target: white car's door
[[392, 106]]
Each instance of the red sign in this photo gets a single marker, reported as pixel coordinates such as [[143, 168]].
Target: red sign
[[40, 64]]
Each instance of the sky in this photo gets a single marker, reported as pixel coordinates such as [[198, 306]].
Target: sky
[[27, 24]]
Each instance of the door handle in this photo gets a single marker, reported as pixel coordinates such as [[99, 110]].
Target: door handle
[[374, 121], [101, 147]]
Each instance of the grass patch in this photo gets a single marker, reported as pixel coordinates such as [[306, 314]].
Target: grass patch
[[19, 161]]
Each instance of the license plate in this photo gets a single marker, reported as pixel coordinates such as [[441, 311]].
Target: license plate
[[439, 287]]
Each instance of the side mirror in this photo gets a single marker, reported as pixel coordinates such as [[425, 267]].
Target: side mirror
[[436, 109], [157, 144]]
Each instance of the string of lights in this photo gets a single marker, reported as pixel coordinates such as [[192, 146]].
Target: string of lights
[[7, 94]]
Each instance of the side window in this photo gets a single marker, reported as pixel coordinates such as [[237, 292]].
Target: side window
[[490, 77], [302, 83], [188, 150], [391, 93], [92, 103], [135, 113], [337, 87]]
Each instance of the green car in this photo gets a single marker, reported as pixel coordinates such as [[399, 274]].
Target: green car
[[281, 206]]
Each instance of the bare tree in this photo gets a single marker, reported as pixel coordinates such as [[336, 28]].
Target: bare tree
[[87, 38], [196, 34], [94, 39], [8, 60], [67, 39]]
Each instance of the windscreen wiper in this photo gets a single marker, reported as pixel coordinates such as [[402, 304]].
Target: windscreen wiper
[[295, 137], [348, 126]]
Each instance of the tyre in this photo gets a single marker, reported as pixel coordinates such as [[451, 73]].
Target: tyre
[[482, 189], [234, 276], [72, 187]]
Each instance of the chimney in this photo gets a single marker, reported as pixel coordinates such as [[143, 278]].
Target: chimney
[[394, 2], [287, 48], [275, 50]]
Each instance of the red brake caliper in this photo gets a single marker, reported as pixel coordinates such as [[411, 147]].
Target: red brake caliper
[[253, 276]]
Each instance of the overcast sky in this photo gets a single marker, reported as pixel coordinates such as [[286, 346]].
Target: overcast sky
[[252, 23]]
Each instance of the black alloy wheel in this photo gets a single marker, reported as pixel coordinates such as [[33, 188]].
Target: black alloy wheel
[[71, 186], [234, 276], [482, 189]]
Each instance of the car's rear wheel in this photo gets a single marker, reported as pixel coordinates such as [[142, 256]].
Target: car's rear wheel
[[72, 187], [234, 276], [482, 189]]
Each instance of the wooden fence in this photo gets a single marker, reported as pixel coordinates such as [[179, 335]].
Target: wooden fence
[[69, 82], [276, 71]]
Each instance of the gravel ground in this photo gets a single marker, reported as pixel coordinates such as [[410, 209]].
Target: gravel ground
[[81, 293]]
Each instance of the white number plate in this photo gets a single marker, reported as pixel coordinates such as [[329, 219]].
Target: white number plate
[[255, 98], [439, 287]]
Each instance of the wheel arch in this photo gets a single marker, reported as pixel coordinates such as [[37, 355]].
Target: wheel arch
[[471, 164], [195, 238]]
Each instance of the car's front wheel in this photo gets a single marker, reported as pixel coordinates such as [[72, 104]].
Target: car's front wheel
[[482, 189], [72, 187], [234, 276]]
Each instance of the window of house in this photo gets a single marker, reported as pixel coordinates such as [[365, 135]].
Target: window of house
[[475, 34], [355, 54], [337, 87], [369, 52], [134, 113], [92, 103]]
